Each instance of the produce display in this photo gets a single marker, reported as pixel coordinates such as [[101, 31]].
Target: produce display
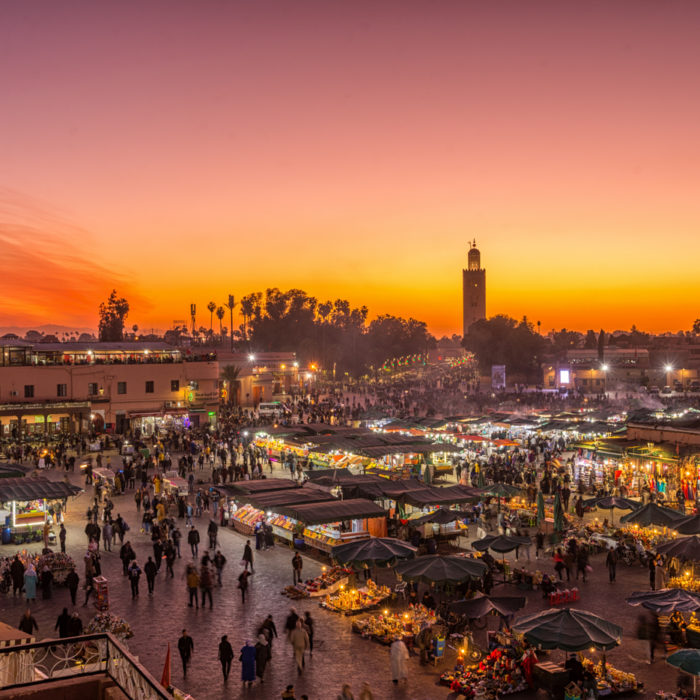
[[325, 536], [328, 581], [353, 601], [59, 564], [284, 522], [613, 681], [248, 515], [497, 674], [387, 627]]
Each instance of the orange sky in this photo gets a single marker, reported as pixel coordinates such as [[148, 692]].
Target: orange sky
[[181, 151]]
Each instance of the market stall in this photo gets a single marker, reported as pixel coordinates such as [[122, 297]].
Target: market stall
[[175, 485], [386, 627], [330, 581], [352, 601], [26, 504]]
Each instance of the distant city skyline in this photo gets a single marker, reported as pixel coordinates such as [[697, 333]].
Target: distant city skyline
[[181, 151]]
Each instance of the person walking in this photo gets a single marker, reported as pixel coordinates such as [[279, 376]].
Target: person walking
[[72, 581], [309, 627], [205, 585], [399, 657], [150, 569], [192, 578], [243, 583], [611, 563], [247, 660], [262, 656], [248, 557], [185, 645], [134, 576], [63, 624], [297, 565], [212, 531], [17, 574], [193, 541], [62, 538], [107, 534], [299, 640], [269, 629], [659, 575], [27, 623], [225, 656]]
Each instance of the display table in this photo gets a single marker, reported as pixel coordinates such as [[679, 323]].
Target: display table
[[386, 627], [552, 677], [355, 601]]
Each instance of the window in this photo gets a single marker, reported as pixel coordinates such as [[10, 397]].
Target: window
[[61, 390], [174, 385], [121, 387], [28, 391], [149, 387], [92, 388]]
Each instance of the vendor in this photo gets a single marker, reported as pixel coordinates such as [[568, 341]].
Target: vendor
[[676, 628], [428, 600], [575, 668]]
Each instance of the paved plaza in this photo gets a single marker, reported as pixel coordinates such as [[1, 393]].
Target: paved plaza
[[340, 656]]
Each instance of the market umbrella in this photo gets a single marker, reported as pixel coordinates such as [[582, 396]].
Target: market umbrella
[[685, 548], [375, 551], [443, 516], [568, 629], [480, 605], [688, 526], [501, 544], [439, 569], [687, 660], [666, 600], [559, 523], [500, 491], [610, 503], [652, 514], [540, 508]]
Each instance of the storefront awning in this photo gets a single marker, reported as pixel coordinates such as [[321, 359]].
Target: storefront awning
[[332, 512], [269, 500], [258, 486], [33, 488], [435, 496]]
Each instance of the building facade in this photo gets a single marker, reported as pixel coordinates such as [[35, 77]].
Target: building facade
[[473, 289], [117, 387]]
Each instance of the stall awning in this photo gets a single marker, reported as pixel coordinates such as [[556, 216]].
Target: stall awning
[[33, 488], [436, 496], [258, 486], [332, 512], [269, 500]]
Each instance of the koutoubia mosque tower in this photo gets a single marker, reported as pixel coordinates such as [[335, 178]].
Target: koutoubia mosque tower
[[473, 289]]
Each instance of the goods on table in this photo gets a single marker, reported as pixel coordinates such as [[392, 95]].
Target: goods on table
[[328, 582], [106, 622], [59, 564], [248, 515], [352, 601], [498, 674], [386, 627], [284, 522], [686, 581], [322, 535], [612, 681]]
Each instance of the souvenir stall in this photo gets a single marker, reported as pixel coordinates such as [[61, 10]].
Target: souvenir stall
[[330, 581], [500, 673], [26, 503], [353, 601], [386, 627]]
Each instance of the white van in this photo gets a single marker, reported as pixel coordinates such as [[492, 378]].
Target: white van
[[271, 409]]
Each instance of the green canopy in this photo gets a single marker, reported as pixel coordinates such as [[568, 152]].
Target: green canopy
[[568, 629], [687, 660], [376, 551], [540, 507]]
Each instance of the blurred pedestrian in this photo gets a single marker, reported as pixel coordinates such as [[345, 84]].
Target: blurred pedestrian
[[247, 558], [225, 656], [300, 643], [243, 583], [185, 645], [247, 660], [399, 657], [262, 656]]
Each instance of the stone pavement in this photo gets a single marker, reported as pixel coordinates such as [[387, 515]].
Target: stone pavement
[[341, 656]]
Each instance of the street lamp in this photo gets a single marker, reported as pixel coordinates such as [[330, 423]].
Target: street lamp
[[251, 358], [605, 369], [668, 368]]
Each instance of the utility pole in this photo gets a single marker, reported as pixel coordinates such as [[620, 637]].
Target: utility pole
[[231, 304], [193, 313]]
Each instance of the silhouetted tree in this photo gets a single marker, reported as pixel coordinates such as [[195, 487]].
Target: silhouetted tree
[[113, 312]]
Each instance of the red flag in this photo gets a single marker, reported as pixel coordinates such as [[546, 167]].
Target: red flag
[[165, 679]]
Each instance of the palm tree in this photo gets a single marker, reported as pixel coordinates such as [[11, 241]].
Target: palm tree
[[211, 306], [230, 374], [220, 315]]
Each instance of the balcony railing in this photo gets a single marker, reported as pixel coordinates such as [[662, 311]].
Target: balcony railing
[[32, 665]]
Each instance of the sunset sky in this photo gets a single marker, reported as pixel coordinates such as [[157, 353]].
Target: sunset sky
[[184, 150]]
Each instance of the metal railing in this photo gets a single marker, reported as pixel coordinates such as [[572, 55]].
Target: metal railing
[[27, 665]]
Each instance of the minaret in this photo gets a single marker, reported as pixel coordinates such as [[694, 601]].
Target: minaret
[[473, 289]]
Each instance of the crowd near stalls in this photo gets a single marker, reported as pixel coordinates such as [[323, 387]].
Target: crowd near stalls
[[459, 538]]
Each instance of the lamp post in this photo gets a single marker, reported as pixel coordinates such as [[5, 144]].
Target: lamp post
[[604, 367], [668, 369]]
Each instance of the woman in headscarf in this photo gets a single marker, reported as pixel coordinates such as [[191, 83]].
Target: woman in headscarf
[[30, 582], [262, 656], [247, 659]]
